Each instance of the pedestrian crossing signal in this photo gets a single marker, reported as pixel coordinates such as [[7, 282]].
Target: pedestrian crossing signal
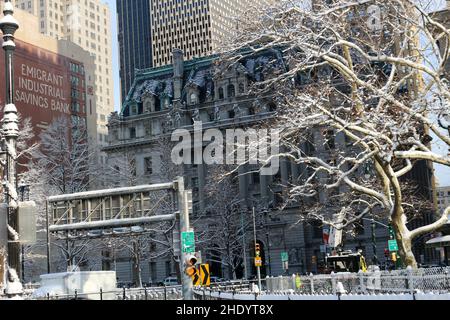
[[257, 250]]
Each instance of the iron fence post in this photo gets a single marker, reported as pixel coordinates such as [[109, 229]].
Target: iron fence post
[[361, 281], [146, 294], [124, 294], [76, 295], [410, 280], [333, 283], [294, 287], [101, 294], [165, 292]]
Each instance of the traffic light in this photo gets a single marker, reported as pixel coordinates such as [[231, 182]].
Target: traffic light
[[257, 250], [391, 233], [191, 270], [386, 253]]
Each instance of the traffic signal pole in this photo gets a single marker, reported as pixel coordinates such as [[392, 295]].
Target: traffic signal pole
[[183, 205], [258, 269]]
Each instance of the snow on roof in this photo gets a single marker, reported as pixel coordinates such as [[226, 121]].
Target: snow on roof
[[442, 241]]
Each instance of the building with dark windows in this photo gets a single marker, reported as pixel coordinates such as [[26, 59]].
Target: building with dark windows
[[167, 98], [150, 29], [135, 39]]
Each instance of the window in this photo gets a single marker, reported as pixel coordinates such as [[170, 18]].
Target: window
[[148, 163], [231, 91], [329, 139], [221, 94], [241, 87], [132, 133], [317, 229], [256, 177], [359, 228]]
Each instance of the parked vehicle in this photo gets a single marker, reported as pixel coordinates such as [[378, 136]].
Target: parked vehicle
[[346, 261], [216, 280], [171, 281]]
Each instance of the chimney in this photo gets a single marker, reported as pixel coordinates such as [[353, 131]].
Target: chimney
[[178, 71]]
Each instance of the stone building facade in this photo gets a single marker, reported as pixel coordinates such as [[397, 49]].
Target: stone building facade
[[174, 97]]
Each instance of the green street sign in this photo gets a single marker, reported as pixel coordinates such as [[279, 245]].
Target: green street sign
[[284, 257], [393, 245], [188, 242]]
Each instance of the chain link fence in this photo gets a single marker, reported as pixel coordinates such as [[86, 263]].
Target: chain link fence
[[433, 280]]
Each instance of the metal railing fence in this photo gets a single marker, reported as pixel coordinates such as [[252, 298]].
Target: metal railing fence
[[154, 293]]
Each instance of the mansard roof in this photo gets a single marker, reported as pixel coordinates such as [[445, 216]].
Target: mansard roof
[[158, 81], [198, 73]]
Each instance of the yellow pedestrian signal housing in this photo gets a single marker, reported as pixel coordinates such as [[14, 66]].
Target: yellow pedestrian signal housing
[[257, 250], [191, 270], [394, 257]]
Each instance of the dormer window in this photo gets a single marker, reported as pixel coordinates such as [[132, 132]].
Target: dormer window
[[194, 98], [147, 106], [133, 110], [166, 103]]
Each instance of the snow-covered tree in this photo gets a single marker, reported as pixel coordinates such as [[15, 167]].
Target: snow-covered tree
[[144, 243], [358, 87], [222, 225], [63, 156], [60, 165]]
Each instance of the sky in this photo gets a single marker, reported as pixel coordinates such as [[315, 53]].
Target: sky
[[115, 53], [443, 173]]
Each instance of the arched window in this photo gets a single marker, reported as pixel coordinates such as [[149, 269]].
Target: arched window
[[231, 90], [221, 95]]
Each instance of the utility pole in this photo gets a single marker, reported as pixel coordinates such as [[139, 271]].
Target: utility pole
[[258, 268], [244, 246], [10, 128], [183, 207]]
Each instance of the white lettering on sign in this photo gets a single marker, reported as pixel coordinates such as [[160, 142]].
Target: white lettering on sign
[[43, 89]]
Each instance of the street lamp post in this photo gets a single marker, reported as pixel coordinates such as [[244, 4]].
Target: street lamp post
[[10, 130], [24, 191], [266, 213], [374, 242]]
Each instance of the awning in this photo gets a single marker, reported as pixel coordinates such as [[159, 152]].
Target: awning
[[439, 242]]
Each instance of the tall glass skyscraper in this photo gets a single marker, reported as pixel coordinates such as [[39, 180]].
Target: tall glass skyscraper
[[150, 29], [134, 32]]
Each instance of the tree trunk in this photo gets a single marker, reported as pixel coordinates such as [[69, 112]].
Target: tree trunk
[[2, 267], [404, 243], [137, 264]]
